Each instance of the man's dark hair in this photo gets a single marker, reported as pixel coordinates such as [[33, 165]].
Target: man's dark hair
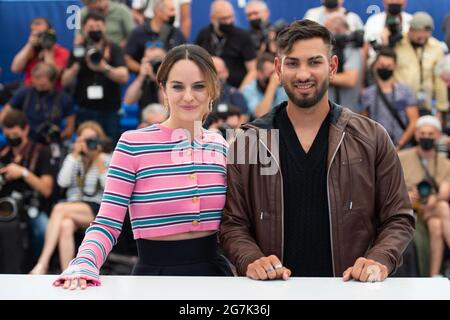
[[15, 118], [263, 58], [93, 15], [302, 30], [386, 52]]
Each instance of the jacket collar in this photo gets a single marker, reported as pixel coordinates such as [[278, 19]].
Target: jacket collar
[[339, 117]]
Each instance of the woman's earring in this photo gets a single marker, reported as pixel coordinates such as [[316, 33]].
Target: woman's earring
[[210, 106]]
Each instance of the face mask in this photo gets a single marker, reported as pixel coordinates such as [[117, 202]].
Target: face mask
[[171, 21], [384, 73], [416, 44], [394, 9], [14, 142], [256, 24], [95, 36], [330, 4], [226, 27], [426, 143]]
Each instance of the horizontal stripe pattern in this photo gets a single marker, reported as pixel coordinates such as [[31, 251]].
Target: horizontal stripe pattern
[[164, 193]]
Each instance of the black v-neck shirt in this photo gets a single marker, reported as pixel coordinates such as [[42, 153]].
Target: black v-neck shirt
[[307, 246]]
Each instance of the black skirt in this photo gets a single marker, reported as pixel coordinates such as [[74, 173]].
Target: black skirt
[[193, 257]]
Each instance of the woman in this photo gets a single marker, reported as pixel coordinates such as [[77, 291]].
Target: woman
[[171, 177], [83, 173]]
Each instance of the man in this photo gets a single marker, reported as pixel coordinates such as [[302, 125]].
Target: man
[[320, 14], [333, 200], [228, 94], [153, 113], [144, 88], [389, 24], [143, 9], [427, 176], [98, 74], [234, 45], [160, 28], [265, 91], [345, 86], [118, 17], [40, 47], [258, 14], [28, 172], [391, 104], [43, 104], [420, 54]]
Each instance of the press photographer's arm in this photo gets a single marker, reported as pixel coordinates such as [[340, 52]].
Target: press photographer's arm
[[43, 184]]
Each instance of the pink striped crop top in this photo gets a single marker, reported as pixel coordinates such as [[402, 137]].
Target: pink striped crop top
[[169, 184]]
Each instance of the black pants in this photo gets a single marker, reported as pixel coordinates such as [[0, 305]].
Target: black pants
[[193, 257]]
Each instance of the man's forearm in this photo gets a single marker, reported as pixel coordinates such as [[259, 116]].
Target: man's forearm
[[21, 59]]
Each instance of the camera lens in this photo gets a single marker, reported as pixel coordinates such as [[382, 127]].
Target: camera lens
[[94, 55], [156, 63], [92, 143]]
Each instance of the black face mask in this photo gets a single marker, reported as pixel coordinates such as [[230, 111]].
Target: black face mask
[[426, 143], [394, 9], [416, 44], [14, 142], [226, 27], [330, 4], [256, 24], [95, 36], [385, 73], [171, 21]]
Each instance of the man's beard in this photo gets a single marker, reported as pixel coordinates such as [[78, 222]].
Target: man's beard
[[306, 103]]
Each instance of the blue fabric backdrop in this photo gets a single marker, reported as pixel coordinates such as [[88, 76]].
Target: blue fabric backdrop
[[15, 17]]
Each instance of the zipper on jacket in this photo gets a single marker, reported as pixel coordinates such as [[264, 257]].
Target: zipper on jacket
[[282, 201], [329, 207]]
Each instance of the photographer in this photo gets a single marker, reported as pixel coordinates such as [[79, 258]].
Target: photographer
[[391, 104], [222, 38], [320, 14], [99, 69], [226, 117], [159, 28], [144, 88], [258, 14], [41, 46], [387, 27], [420, 54], [344, 88], [83, 174], [26, 171], [44, 104], [427, 177], [265, 91]]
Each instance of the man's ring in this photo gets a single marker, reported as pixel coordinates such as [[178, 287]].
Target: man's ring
[[270, 269], [278, 266]]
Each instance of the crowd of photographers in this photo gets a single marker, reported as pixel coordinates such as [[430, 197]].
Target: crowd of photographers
[[391, 69]]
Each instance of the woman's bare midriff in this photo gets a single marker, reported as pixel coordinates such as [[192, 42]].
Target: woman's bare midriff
[[183, 236]]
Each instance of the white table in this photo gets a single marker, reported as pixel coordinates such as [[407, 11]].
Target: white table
[[207, 288]]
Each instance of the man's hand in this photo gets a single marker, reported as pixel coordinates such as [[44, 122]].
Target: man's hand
[[33, 40], [12, 171], [366, 270], [268, 268], [101, 67], [146, 69]]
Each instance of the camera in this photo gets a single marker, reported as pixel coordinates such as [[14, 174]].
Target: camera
[[2, 178], [155, 63], [95, 55], [264, 29], [48, 133], [47, 39], [92, 143], [425, 189], [354, 39], [394, 26]]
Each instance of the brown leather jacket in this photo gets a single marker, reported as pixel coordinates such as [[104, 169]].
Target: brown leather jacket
[[369, 208]]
